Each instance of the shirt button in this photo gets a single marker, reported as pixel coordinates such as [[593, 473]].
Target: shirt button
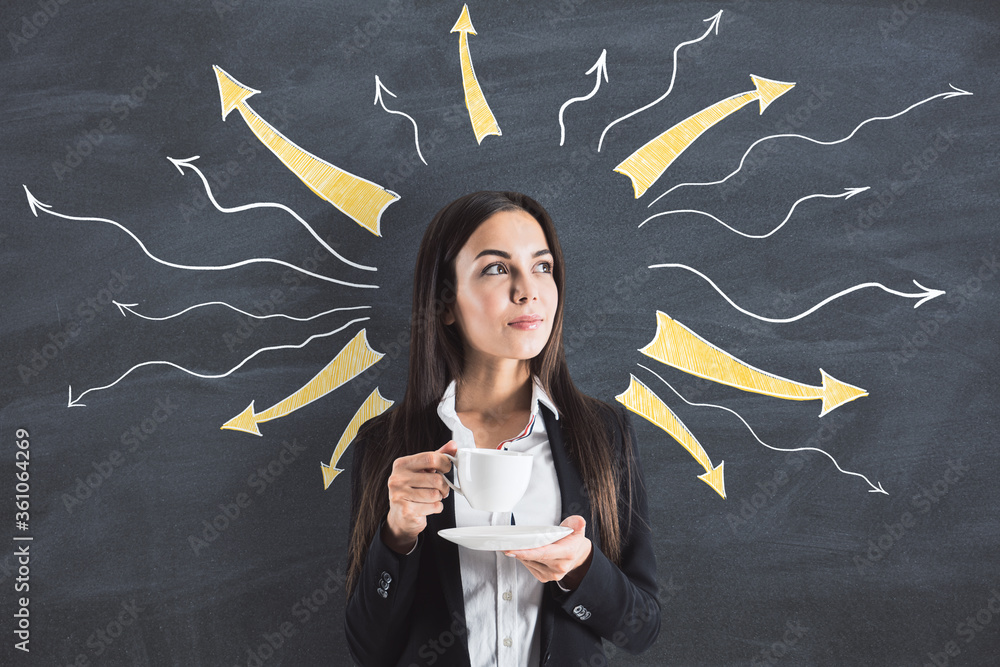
[[508, 596], [508, 642]]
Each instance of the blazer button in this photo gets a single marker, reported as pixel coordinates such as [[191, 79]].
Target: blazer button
[[386, 579], [382, 592]]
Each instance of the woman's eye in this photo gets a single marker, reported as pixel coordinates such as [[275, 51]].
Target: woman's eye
[[494, 270], [545, 267]]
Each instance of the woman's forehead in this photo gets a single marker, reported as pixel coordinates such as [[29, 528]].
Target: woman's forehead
[[510, 231]]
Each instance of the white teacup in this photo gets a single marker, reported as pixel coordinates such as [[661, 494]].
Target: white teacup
[[492, 480]]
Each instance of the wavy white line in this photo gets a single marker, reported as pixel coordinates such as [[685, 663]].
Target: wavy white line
[[874, 488], [76, 403], [36, 205], [847, 194], [602, 68], [128, 307], [189, 163], [712, 26], [958, 93], [924, 296], [379, 87]]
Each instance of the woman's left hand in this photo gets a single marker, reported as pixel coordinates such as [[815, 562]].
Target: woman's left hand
[[565, 560]]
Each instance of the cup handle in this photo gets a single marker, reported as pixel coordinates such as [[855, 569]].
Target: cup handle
[[454, 465]]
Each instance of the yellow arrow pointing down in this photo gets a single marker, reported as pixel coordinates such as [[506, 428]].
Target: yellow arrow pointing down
[[483, 121], [373, 406], [647, 164], [360, 199], [356, 357], [678, 346], [639, 399]]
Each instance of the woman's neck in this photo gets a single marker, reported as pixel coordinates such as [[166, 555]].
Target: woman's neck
[[494, 391]]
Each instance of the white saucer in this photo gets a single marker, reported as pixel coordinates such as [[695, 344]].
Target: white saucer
[[504, 538]]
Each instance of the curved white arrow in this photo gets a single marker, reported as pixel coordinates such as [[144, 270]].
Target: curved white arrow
[[956, 92], [601, 66], [37, 205], [189, 163], [847, 194], [123, 307], [379, 87], [75, 403], [874, 488], [714, 25], [924, 296]]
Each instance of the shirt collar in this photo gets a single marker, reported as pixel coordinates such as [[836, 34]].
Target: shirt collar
[[446, 407]]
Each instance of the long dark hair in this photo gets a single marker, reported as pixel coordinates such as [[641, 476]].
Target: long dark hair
[[436, 358]]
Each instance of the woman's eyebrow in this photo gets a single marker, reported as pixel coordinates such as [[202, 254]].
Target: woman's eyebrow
[[506, 255]]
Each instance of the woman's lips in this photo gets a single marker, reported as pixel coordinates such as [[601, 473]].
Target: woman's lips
[[526, 323]]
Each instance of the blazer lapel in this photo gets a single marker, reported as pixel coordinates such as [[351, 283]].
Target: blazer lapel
[[571, 488], [574, 501]]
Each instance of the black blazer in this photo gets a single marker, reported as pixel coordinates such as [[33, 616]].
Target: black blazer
[[409, 609]]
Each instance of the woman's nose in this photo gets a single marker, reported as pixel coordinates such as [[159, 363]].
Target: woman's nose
[[524, 289]]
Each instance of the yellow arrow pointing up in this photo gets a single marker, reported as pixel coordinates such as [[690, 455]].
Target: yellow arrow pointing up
[[648, 163], [639, 399], [374, 405], [483, 121], [355, 358], [357, 197], [678, 346]]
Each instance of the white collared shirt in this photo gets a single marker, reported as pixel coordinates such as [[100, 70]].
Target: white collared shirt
[[502, 598]]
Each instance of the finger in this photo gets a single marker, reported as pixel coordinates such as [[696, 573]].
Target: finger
[[422, 496], [420, 462], [561, 548], [538, 554], [450, 447], [432, 508], [428, 480], [576, 522], [416, 512]]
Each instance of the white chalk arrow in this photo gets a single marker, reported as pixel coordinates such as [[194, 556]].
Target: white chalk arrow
[[926, 295], [129, 308], [189, 164], [847, 194], [873, 487], [601, 67], [955, 92], [713, 26], [37, 206], [75, 402], [379, 87]]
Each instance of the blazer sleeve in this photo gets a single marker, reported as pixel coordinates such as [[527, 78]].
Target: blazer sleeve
[[376, 614], [621, 603]]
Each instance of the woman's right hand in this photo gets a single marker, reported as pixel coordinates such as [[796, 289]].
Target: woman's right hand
[[416, 489]]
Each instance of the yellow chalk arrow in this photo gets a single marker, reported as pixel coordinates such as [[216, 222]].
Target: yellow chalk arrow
[[648, 163], [357, 197], [483, 121], [678, 346], [355, 358], [374, 405], [639, 399]]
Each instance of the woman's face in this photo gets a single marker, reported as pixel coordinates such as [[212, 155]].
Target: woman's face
[[506, 295]]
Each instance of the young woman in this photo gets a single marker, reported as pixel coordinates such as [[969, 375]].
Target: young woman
[[487, 369]]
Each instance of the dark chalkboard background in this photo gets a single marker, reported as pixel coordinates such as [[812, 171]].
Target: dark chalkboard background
[[800, 565]]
